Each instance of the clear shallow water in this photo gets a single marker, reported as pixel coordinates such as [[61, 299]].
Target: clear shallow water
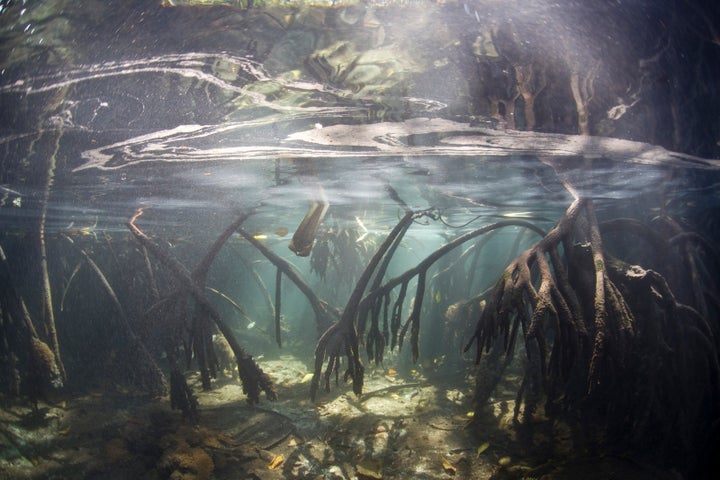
[[479, 111], [197, 113]]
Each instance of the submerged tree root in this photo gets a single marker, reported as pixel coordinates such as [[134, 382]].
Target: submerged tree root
[[141, 365], [342, 338], [254, 380], [603, 339], [20, 346]]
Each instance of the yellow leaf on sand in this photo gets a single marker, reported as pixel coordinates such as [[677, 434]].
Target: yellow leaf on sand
[[505, 461], [370, 468], [447, 466], [276, 462], [482, 448]]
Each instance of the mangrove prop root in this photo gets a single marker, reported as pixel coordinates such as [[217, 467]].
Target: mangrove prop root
[[685, 392], [181, 395], [380, 293], [608, 304], [141, 363], [600, 335], [534, 301], [21, 341], [50, 140], [342, 335], [253, 378], [323, 314], [686, 252], [278, 297]]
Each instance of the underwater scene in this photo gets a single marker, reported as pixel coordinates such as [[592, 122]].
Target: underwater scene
[[360, 240]]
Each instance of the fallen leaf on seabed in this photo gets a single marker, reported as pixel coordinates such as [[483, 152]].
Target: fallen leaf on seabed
[[447, 466], [505, 461], [369, 468], [482, 448], [276, 462]]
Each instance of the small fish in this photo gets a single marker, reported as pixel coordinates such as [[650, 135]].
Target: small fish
[[259, 236], [251, 325], [304, 237], [306, 378], [64, 431], [281, 232], [438, 296], [136, 421], [392, 372]]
